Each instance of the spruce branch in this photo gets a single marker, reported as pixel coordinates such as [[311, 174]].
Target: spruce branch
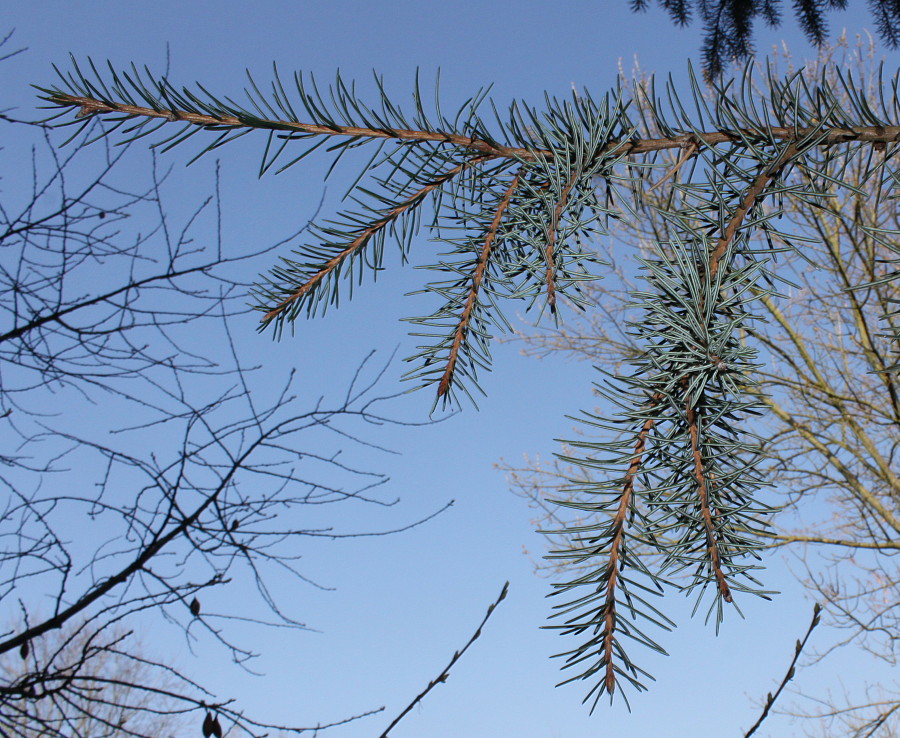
[[616, 552], [282, 310], [549, 274], [614, 592], [514, 200], [462, 328], [750, 199], [216, 121], [89, 106], [692, 282]]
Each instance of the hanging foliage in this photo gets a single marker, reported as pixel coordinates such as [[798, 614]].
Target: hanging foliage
[[513, 197]]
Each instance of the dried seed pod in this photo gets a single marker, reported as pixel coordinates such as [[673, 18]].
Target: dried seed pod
[[195, 607], [23, 650]]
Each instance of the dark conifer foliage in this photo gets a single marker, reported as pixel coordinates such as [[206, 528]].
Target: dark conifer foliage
[[728, 24]]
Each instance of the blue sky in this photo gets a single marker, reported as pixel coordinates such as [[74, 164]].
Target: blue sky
[[401, 605]]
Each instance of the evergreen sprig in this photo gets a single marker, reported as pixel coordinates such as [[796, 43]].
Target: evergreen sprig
[[514, 197]]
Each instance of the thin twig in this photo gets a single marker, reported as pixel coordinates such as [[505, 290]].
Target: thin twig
[[442, 677], [784, 539], [688, 152], [770, 698]]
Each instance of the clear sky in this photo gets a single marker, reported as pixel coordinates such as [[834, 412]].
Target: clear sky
[[401, 605]]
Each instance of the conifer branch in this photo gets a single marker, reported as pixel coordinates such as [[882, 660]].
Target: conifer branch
[[462, 328], [617, 542], [365, 234], [88, 106], [681, 481], [750, 198]]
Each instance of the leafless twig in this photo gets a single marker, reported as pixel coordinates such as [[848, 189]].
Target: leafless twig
[[442, 677], [798, 648]]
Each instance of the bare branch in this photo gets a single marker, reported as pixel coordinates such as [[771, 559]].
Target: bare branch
[[457, 655]]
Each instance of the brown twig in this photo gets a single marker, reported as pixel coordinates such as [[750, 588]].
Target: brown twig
[[686, 154], [549, 276], [462, 328], [770, 698], [705, 512], [442, 677], [784, 539], [750, 197], [618, 538]]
